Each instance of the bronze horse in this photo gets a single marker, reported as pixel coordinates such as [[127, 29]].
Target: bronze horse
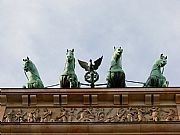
[[69, 79], [116, 76]]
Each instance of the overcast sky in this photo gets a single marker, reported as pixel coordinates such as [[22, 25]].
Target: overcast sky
[[44, 29]]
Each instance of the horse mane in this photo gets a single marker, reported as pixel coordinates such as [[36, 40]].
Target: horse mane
[[157, 63], [35, 71], [156, 66]]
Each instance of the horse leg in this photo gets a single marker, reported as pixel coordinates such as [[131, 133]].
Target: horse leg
[[62, 81], [119, 80], [108, 84], [148, 82], [109, 81], [152, 82], [65, 81], [29, 85], [122, 78], [74, 83], [113, 80], [39, 84], [35, 85]]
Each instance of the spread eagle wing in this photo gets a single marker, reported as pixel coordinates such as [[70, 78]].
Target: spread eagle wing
[[84, 65], [97, 63]]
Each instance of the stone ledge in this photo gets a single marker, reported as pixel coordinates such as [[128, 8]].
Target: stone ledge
[[61, 99], [95, 128], [82, 96], [89, 90]]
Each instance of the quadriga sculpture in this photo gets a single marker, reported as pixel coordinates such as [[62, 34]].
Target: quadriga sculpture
[[31, 72], [69, 79], [156, 78], [116, 76]]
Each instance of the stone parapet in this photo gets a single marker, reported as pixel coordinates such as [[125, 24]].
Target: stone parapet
[[99, 110]]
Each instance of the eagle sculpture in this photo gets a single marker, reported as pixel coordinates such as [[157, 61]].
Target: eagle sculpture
[[91, 67]]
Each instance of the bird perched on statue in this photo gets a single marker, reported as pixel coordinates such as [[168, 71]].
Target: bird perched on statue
[[91, 66]]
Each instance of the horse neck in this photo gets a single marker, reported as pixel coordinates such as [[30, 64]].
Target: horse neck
[[33, 74], [116, 61], [156, 69], [69, 66]]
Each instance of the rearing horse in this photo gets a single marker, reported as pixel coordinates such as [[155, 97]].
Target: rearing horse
[[156, 78], [31, 72], [116, 76], [69, 79]]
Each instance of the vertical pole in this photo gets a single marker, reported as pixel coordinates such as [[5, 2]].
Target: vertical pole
[[92, 79]]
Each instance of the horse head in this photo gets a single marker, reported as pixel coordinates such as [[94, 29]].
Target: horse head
[[28, 65], [117, 52], [162, 61], [70, 55]]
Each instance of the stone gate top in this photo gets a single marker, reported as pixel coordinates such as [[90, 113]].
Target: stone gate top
[[36, 110]]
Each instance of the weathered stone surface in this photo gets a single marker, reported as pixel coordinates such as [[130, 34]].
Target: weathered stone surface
[[148, 99], [25, 100], [92, 129], [156, 99], [178, 98], [117, 99], [56, 99], [86, 99], [125, 99], [94, 99], [90, 114], [33, 99], [64, 99], [3, 99], [85, 111], [2, 111]]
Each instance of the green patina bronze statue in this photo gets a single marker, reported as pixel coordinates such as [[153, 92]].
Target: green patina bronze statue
[[69, 79], [31, 72], [156, 78], [116, 76], [91, 75]]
